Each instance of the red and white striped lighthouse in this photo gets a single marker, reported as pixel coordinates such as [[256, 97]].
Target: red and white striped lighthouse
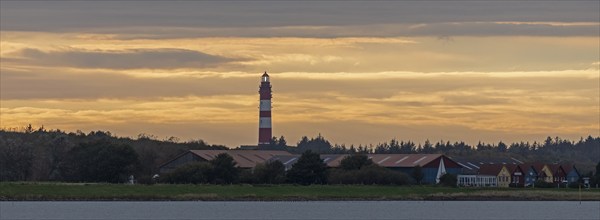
[[264, 123]]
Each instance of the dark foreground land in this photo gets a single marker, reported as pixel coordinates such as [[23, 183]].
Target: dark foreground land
[[103, 192]]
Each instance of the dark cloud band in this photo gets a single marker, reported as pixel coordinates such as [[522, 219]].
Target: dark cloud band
[[272, 18], [127, 59]]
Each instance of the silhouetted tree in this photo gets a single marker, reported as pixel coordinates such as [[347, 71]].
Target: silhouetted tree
[[100, 162], [224, 169], [427, 147], [310, 169], [195, 173], [418, 174], [598, 170], [355, 162], [448, 180], [282, 143], [502, 147], [15, 160], [371, 174], [272, 172], [317, 145]]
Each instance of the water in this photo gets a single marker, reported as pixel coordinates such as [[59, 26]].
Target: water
[[303, 210]]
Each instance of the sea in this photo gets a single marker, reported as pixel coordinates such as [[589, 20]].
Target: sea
[[215, 210]]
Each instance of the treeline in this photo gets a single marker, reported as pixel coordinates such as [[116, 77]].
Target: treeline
[[585, 152], [309, 169], [53, 155]]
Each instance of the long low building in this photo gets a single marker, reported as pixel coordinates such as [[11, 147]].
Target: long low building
[[433, 165], [243, 158]]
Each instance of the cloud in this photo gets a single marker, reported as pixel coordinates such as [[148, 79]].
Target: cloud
[[123, 59], [440, 30], [347, 109], [64, 83], [351, 55], [35, 83], [289, 18]]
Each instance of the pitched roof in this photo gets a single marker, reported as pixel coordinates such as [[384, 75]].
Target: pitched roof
[[472, 165], [490, 169], [384, 160], [554, 168], [511, 167], [538, 166], [403, 160], [568, 168], [243, 158]]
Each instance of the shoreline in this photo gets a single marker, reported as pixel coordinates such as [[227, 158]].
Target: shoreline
[[164, 192]]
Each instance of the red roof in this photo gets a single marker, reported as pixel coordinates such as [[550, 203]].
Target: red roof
[[567, 168], [390, 160], [490, 169], [243, 158], [511, 167]]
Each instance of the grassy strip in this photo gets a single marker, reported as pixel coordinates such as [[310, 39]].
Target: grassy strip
[[97, 192]]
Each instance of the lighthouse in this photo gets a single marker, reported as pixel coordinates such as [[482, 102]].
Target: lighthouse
[[264, 122]]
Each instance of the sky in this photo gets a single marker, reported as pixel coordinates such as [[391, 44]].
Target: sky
[[355, 72]]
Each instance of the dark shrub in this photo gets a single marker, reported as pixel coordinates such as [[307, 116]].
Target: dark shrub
[[543, 184], [224, 169], [271, 172], [371, 174], [448, 180], [355, 162], [100, 162], [195, 173], [309, 169]]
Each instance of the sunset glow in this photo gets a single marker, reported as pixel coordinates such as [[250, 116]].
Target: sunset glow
[[519, 72]]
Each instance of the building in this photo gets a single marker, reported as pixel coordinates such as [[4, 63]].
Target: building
[[504, 176], [558, 174], [472, 166], [517, 176], [244, 158], [433, 166], [264, 121], [531, 174], [544, 172], [572, 175], [488, 175]]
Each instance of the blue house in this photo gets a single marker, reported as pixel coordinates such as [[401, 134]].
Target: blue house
[[572, 173], [530, 175]]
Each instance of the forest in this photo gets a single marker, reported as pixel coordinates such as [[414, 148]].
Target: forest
[[37, 154]]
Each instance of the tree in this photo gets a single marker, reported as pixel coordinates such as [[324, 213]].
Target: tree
[[318, 145], [598, 170], [371, 174], [355, 162], [224, 169], [596, 177], [310, 169], [100, 162], [427, 147], [418, 174], [273, 141], [501, 147], [282, 143], [15, 160], [448, 180], [57, 150], [271, 172], [195, 173]]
